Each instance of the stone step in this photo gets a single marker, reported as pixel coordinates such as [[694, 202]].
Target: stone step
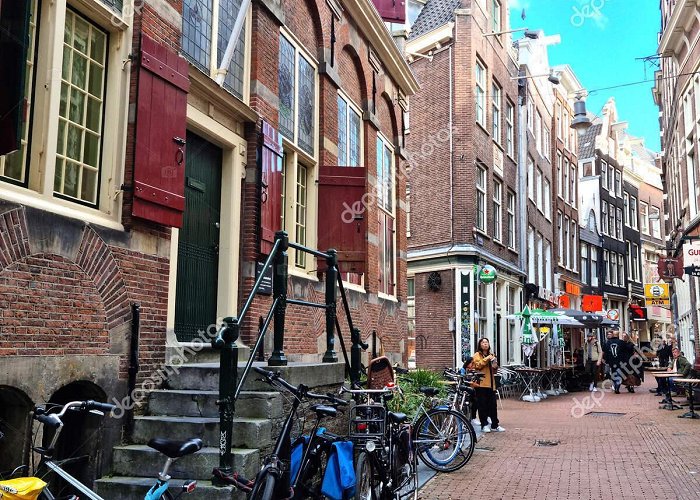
[[193, 403], [190, 352], [254, 433], [141, 461], [135, 488], [205, 376]]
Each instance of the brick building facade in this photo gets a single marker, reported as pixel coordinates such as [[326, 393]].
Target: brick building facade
[[463, 182]]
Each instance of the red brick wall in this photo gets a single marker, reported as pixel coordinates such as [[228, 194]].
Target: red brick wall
[[434, 340]]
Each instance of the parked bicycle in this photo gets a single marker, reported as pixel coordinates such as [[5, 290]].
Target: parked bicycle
[[50, 416], [281, 476]]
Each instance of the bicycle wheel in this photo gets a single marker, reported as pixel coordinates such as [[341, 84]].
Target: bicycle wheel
[[405, 476], [364, 487], [444, 440], [264, 488]]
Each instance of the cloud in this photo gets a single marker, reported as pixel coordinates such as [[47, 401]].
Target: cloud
[[520, 4]]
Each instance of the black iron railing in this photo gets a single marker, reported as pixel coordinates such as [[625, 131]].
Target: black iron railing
[[229, 385]]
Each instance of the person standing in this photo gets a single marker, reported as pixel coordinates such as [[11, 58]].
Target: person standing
[[664, 354], [615, 354], [485, 362], [593, 352]]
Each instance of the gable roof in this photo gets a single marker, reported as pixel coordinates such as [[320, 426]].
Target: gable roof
[[435, 13], [586, 143]]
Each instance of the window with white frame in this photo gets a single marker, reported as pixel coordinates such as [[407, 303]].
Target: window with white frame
[[613, 268], [511, 219], [547, 200], [79, 168], [611, 179], [387, 226], [297, 95], [618, 183], [573, 247], [606, 266], [481, 198], [626, 204], [298, 195], [548, 265], [496, 111], [691, 169], [540, 261], [629, 259], [560, 230], [480, 81], [594, 266], [530, 114], [510, 130], [497, 210], [619, 223], [559, 122], [349, 133], [566, 180], [567, 136], [539, 189], [198, 44], [546, 143], [604, 173], [604, 217], [635, 262], [560, 176], [496, 15], [567, 241], [530, 254], [621, 270], [584, 262], [538, 132], [655, 217], [13, 167], [644, 217], [633, 212], [611, 220], [572, 182], [530, 178]]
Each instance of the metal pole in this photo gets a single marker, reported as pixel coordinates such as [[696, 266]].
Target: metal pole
[[279, 293], [232, 42], [228, 375], [331, 296], [356, 355]]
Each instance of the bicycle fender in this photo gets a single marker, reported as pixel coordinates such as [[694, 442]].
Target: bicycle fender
[[157, 490]]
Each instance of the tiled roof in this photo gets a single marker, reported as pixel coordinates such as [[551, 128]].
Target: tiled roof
[[434, 14], [586, 143]]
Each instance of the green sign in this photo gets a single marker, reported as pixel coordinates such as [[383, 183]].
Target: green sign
[[487, 274]]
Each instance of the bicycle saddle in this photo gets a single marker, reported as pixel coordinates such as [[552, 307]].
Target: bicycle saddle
[[397, 418], [175, 449], [429, 391], [324, 411]]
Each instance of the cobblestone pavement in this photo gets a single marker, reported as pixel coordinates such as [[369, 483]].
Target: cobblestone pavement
[[644, 453]]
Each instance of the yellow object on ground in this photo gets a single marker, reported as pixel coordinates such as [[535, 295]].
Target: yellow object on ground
[[22, 488]]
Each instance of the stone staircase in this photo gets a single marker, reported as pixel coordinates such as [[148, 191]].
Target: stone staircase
[[187, 408]]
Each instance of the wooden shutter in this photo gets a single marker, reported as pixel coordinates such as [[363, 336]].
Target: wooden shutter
[[391, 11], [342, 215], [159, 164], [14, 43], [270, 187]]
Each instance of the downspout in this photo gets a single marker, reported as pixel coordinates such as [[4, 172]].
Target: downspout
[[452, 156], [522, 180]]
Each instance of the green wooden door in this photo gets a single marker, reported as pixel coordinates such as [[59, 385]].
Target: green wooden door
[[198, 246]]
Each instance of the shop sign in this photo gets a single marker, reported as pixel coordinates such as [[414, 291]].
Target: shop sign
[[592, 303], [565, 301], [670, 268], [572, 289], [658, 302], [656, 291], [488, 274], [613, 314], [691, 255]]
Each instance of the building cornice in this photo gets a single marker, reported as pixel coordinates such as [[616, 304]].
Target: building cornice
[[432, 38], [415, 256], [681, 20], [365, 14]]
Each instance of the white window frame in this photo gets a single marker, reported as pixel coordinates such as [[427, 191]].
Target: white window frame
[[387, 145], [498, 210], [604, 173], [351, 107], [620, 270], [538, 186], [511, 220], [566, 180], [480, 92], [655, 223], [481, 194], [540, 260], [538, 132], [594, 266], [604, 217], [644, 218], [547, 200], [510, 130], [530, 114], [531, 254], [546, 142], [531, 178], [496, 97], [583, 262], [573, 248], [560, 175], [40, 163], [633, 217], [560, 230], [572, 181], [567, 242]]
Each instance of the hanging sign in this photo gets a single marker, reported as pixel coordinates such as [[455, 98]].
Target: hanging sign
[[656, 291], [488, 274]]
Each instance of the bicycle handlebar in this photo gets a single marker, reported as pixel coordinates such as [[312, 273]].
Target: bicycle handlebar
[[54, 419], [300, 391]]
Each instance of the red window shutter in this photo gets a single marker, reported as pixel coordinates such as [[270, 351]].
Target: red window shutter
[[391, 11], [389, 252], [342, 217], [14, 42], [270, 187], [159, 164]]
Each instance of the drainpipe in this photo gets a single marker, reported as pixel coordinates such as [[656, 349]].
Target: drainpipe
[[452, 155], [522, 180]]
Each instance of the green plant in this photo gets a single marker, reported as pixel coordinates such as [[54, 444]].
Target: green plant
[[410, 383]]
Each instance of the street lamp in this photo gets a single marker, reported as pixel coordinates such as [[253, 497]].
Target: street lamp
[[581, 122], [551, 77], [532, 35]]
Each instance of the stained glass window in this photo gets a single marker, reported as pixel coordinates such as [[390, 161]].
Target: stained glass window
[[307, 102], [286, 88], [228, 11], [81, 110], [342, 131], [354, 138], [196, 32]]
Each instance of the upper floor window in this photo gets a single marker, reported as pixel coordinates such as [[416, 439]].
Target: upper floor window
[[547, 199], [545, 142], [539, 190], [349, 134], [387, 217], [530, 114], [566, 180], [511, 220], [572, 181], [655, 217], [510, 130], [619, 223], [604, 217], [618, 183], [480, 80], [496, 101], [496, 16], [497, 210], [481, 198], [560, 176], [297, 96], [538, 132], [632, 217], [584, 263], [198, 44], [594, 266], [560, 230], [604, 173], [644, 217], [531, 178]]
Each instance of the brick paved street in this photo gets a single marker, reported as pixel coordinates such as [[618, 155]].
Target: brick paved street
[[645, 453]]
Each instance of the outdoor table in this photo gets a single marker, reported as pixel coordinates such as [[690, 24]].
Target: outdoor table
[[691, 382], [530, 376], [551, 376], [669, 404]]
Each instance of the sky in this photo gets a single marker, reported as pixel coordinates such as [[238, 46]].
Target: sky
[[601, 41]]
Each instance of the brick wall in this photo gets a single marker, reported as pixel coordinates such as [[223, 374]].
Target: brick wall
[[434, 340]]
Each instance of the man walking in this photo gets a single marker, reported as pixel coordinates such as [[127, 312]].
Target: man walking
[[592, 349], [615, 354]]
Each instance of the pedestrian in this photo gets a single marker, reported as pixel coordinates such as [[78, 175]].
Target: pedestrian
[[634, 363], [680, 365], [593, 353], [615, 355], [664, 354], [485, 362]]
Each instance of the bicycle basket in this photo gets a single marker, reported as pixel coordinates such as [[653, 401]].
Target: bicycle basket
[[367, 422], [22, 488], [379, 373]]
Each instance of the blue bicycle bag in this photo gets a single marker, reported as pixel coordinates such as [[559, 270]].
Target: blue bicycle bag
[[339, 478]]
